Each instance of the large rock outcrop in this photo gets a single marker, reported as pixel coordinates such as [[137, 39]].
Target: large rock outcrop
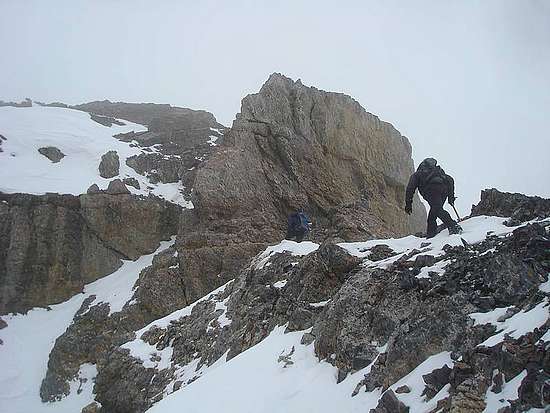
[[295, 146], [51, 245]]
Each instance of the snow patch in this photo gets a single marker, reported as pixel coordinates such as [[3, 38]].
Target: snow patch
[[438, 268], [280, 284], [212, 140], [319, 304], [545, 287], [496, 401], [415, 382], [518, 325], [254, 381], [294, 248], [475, 229], [490, 317]]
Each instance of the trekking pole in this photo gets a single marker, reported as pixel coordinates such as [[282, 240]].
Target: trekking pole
[[458, 216]]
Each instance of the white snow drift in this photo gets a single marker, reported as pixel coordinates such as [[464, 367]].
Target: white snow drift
[[82, 140]]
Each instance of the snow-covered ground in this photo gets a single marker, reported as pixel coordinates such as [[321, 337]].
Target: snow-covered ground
[[476, 229], [82, 140], [28, 340], [295, 248]]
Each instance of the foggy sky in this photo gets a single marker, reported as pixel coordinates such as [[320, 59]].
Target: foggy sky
[[467, 82]]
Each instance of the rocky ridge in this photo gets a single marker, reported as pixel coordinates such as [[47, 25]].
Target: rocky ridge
[[177, 141], [381, 313]]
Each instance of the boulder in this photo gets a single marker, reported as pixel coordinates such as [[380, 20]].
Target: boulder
[[92, 408], [117, 187], [52, 153], [109, 165], [133, 182], [389, 403], [93, 189]]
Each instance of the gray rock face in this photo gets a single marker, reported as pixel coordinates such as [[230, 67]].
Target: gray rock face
[[293, 146], [131, 225], [51, 245], [109, 165], [52, 153], [160, 288]]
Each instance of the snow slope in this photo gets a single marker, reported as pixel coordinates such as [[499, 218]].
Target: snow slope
[[81, 139], [256, 381], [259, 381], [29, 338]]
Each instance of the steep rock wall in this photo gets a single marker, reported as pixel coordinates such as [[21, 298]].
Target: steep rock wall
[[51, 245]]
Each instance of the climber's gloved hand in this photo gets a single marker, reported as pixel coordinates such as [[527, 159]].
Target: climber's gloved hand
[[408, 209], [452, 200]]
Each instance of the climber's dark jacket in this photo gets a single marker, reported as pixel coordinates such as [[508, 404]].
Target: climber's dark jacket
[[429, 179], [298, 226], [436, 187]]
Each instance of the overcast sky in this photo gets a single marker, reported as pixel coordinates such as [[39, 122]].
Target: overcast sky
[[468, 82]]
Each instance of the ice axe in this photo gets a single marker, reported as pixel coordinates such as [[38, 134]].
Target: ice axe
[[458, 216]]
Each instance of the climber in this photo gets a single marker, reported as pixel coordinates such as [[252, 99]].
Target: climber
[[298, 225], [436, 187]]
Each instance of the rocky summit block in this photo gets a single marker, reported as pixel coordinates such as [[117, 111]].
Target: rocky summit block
[[295, 146]]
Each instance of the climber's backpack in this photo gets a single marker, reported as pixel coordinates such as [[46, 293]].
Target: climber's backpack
[[298, 223], [434, 175]]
